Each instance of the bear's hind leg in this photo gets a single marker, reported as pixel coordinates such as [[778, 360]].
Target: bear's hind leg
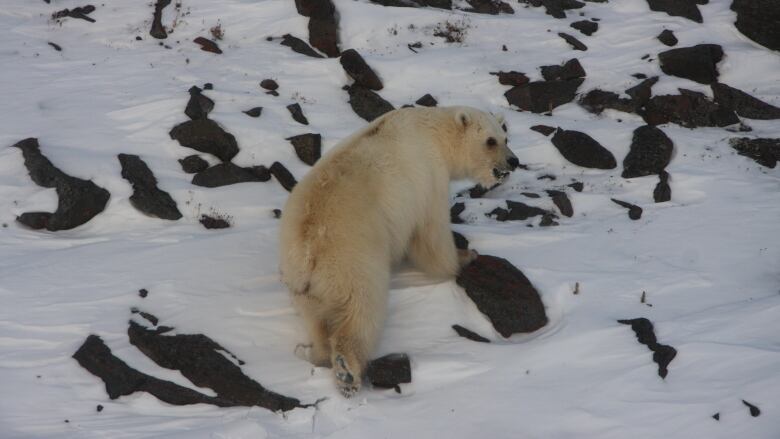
[[318, 353]]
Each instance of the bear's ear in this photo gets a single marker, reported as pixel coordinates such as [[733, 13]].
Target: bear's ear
[[463, 118]]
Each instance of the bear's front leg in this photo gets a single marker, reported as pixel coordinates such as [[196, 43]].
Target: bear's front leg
[[432, 247]]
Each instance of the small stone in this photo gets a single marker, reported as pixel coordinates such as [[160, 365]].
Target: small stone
[[254, 112], [634, 211], [207, 45], [99, 408], [269, 84], [583, 150], [455, 212], [667, 37], [389, 371], [562, 202], [357, 68], [469, 334], [366, 103], [199, 106], [586, 27], [308, 147], [544, 129], [512, 78], [754, 411], [143, 292], [571, 69], [297, 113], [426, 101], [662, 191], [211, 222], [283, 176], [650, 152], [573, 42], [193, 164], [298, 45]]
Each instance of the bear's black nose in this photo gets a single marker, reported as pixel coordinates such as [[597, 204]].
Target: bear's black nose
[[514, 163]]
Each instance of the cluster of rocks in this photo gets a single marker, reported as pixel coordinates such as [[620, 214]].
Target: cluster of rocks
[[559, 87]]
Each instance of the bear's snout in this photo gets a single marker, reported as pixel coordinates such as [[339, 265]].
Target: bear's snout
[[514, 163]]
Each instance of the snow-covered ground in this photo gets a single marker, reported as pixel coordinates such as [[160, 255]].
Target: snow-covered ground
[[709, 260]]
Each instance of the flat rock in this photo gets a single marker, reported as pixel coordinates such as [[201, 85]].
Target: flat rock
[[455, 212], [254, 112], [543, 96], [78, 201], [297, 113], [634, 211], [698, 63], [556, 8], [642, 92], [662, 191], [427, 101], [587, 27], [299, 46], [491, 7], [357, 69], [147, 197], [650, 152], [596, 101], [213, 222], [199, 106], [469, 334], [516, 211], [662, 354], [571, 69], [440, 4], [158, 30], [207, 45], [308, 147], [573, 42], [323, 25], [677, 8], [367, 104], [544, 129], [201, 360], [389, 371], [577, 186], [562, 202], [690, 109], [227, 173], [461, 243], [193, 164], [743, 104], [582, 150], [512, 78], [758, 20], [283, 176], [207, 136], [765, 152], [503, 294], [269, 84], [667, 37]]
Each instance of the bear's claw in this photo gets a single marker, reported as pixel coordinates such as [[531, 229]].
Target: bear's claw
[[345, 380]]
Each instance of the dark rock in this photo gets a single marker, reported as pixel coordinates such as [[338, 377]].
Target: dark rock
[[455, 212], [461, 243], [99, 408], [587, 27], [297, 113], [151, 318], [582, 150], [557, 8], [698, 63], [208, 86], [199, 106], [440, 4], [207, 45], [298, 45], [269, 84], [577, 186], [642, 92], [323, 25], [743, 104], [254, 112], [677, 8], [548, 220], [201, 360], [596, 101], [662, 191], [193, 164], [426, 101], [690, 109], [546, 177], [511, 78], [639, 75], [754, 411], [544, 129], [228, 173], [634, 211], [667, 37], [211, 222], [55, 46], [471, 335], [573, 42], [308, 147], [716, 416], [389, 371], [147, 197], [367, 104], [530, 195], [158, 30], [571, 69], [277, 213], [81, 12], [357, 69], [476, 191], [283, 176], [492, 7], [543, 96], [562, 202], [78, 200], [651, 150], [120, 379], [143, 292], [662, 354], [758, 20], [765, 152], [517, 212], [207, 136], [503, 294]]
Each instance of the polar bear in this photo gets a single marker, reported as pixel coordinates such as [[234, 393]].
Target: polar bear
[[380, 195]]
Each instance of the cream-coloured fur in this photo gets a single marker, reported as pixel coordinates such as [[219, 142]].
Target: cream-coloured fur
[[380, 195]]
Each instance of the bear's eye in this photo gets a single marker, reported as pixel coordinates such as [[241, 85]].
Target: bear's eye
[[491, 142], [503, 127]]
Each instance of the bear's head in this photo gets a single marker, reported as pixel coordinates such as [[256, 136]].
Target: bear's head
[[486, 157]]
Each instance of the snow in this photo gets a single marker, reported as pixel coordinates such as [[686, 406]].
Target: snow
[[708, 260]]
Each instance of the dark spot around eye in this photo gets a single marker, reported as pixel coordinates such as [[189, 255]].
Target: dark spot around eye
[[491, 141]]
